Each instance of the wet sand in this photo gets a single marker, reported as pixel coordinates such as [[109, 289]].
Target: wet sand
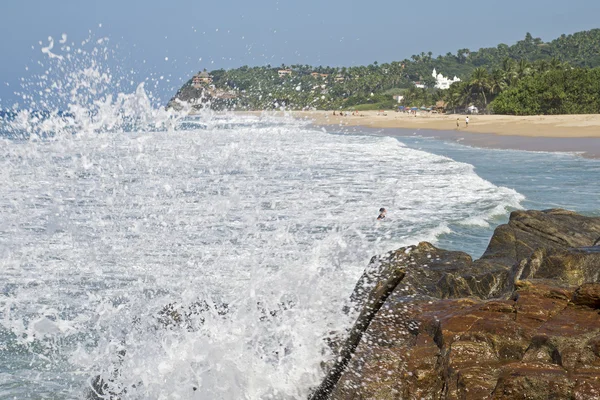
[[586, 147], [565, 126], [560, 133]]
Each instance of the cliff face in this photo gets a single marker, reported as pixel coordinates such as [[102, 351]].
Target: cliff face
[[197, 98], [522, 322]]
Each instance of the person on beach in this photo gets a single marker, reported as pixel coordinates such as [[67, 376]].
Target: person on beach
[[457, 123], [382, 212], [467, 121]]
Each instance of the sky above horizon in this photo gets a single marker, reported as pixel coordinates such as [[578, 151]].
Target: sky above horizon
[[175, 39]]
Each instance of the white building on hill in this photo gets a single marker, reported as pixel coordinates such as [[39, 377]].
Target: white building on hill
[[441, 82]]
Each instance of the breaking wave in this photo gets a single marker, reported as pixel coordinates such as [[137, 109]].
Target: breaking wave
[[196, 257]]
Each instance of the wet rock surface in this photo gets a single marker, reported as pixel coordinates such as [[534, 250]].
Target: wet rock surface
[[522, 322]]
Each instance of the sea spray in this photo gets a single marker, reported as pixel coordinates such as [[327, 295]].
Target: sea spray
[[81, 91], [197, 257], [275, 221]]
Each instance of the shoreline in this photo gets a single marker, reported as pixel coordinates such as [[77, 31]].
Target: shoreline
[[575, 134], [549, 126], [582, 147]]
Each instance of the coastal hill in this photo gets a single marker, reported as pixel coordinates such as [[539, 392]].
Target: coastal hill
[[537, 66]]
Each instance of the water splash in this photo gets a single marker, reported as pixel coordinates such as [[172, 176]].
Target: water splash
[[208, 261], [78, 93]]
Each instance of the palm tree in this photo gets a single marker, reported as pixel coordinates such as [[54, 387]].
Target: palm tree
[[480, 83], [555, 63], [458, 95], [509, 70], [497, 82], [523, 68]]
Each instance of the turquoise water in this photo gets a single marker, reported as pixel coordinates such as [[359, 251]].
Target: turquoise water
[[547, 180]]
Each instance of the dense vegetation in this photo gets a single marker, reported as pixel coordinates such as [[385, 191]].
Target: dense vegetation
[[502, 79], [566, 91], [522, 88]]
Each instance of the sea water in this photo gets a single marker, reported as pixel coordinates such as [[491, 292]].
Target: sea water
[[267, 223], [545, 179], [210, 257]]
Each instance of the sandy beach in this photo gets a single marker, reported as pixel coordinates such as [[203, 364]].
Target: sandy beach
[[548, 126], [557, 133]]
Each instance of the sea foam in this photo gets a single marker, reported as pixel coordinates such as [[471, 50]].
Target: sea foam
[[196, 257], [267, 224]]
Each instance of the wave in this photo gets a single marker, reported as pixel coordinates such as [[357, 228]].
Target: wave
[[253, 216], [199, 257]]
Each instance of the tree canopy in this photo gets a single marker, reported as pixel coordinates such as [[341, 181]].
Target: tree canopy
[[558, 91], [490, 77]]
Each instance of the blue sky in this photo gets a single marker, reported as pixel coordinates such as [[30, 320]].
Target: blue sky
[[223, 34]]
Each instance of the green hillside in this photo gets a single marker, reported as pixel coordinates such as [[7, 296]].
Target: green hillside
[[497, 69]]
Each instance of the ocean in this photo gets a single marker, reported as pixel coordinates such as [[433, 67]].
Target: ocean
[[250, 232]]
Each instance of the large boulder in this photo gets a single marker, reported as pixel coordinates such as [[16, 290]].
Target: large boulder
[[527, 231], [520, 322], [568, 268], [537, 345], [451, 274]]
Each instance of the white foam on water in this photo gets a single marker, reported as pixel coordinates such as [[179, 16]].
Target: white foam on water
[[253, 229], [277, 221]]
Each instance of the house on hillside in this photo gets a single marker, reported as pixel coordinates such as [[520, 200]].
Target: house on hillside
[[340, 78], [398, 98], [419, 84], [441, 82], [201, 79], [284, 72]]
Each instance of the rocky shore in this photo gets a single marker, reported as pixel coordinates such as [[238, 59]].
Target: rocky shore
[[522, 322]]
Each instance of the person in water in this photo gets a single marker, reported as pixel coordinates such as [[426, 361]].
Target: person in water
[[382, 212]]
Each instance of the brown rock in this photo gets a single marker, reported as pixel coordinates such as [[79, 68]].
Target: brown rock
[[511, 325], [527, 231], [535, 381], [568, 268], [537, 345], [588, 295]]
